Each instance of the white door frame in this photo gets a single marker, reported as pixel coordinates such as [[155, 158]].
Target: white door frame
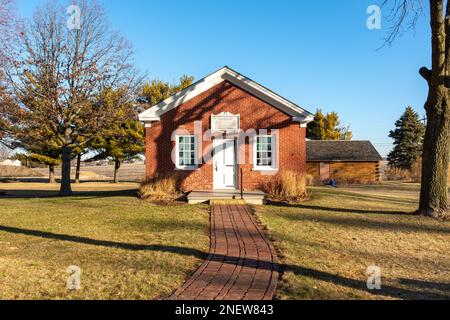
[[220, 167]]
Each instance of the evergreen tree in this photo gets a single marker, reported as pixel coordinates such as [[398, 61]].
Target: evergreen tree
[[327, 127], [156, 90], [124, 139], [49, 157], [121, 142], [408, 140]]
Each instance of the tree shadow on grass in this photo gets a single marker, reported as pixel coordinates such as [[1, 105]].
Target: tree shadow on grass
[[419, 291], [367, 197], [105, 243], [426, 284], [79, 195], [361, 222], [340, 210]]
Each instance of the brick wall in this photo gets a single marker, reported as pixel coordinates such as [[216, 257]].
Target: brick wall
[[254, 114]]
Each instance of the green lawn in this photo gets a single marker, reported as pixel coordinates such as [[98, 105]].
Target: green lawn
[[126, 248], [328, 243]]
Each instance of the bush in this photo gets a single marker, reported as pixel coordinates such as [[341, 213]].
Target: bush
[[287, 186], [160, 188]]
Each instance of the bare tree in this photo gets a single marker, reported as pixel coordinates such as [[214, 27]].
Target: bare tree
[[5, 152], [8, 27], [8, 32], [436, 150], [58, 75]]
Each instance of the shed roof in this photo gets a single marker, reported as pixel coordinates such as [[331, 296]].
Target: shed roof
[[341, 151]]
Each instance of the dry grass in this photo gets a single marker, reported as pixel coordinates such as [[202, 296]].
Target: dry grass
[[126, 248], [287, 186], [328, 243], [164, 188], [89, 176], [412, 175], [127, 172], [310, 180]]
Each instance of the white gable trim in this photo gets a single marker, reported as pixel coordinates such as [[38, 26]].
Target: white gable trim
[[226, 74]]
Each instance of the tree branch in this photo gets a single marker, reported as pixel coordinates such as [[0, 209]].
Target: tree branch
[[426, 73], [403, 16]]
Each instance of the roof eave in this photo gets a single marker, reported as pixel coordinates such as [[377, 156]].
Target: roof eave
[[226, 74]]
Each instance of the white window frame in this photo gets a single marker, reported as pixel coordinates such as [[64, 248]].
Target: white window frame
[[274, 166], [177, 155]]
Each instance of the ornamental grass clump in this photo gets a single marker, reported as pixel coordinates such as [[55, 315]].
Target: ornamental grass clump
[[160, 188], [287, 186]]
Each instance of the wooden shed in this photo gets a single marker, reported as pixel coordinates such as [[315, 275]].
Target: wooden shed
[[343, 161]]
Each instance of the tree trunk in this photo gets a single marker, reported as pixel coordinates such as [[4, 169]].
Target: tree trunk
[[78, 168], [436, 153], [51, 174], [436, 150], [116, 171], [66, 188]]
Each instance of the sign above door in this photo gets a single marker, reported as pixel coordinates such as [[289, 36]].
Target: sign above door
[[225, 122]]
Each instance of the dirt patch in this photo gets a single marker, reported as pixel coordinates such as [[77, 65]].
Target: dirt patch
[[127, 172], [17, 172], [89, 175]]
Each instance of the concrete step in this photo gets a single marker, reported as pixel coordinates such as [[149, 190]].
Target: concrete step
[[251, 197]]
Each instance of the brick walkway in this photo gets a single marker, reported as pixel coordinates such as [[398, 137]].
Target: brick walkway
[[241, 265]]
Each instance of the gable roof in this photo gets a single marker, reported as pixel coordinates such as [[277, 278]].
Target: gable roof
[[341, 151], [226, 74]]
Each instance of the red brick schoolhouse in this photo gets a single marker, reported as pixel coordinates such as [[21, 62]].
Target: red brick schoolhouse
[[222, 126]]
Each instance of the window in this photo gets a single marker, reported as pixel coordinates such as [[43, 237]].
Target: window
[[265, 153], [186, 152]]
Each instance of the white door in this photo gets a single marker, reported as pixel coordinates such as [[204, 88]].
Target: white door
[[224, 163]]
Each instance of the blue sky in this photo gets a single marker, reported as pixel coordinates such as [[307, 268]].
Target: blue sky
[[317, 53]]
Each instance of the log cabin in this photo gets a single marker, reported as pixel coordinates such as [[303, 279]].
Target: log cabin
[[343, 161]]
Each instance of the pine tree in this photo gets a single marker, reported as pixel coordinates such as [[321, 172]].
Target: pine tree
[[408, 140], [124, 139], [51, 158], [327, 127], [156, 91], [121, 142]]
